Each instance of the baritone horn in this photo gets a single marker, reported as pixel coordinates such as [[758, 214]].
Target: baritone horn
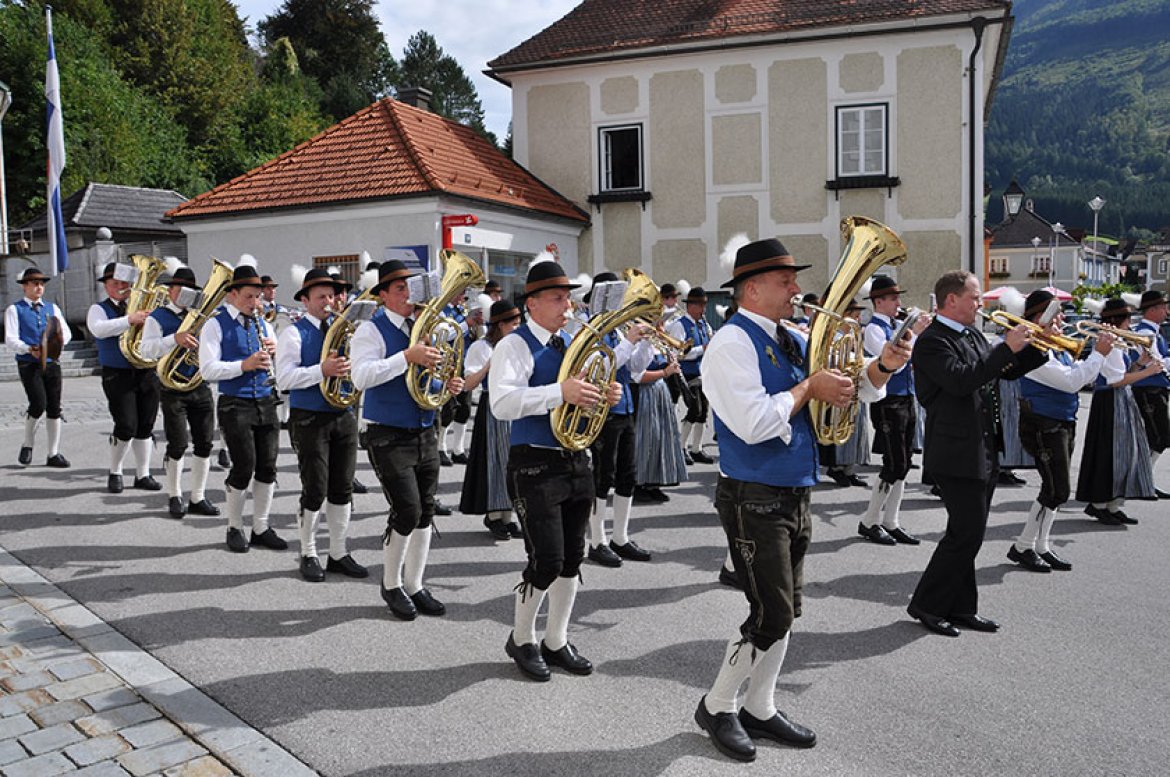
[[339, 390], [146, 295], [1041, 338], [178, 369]]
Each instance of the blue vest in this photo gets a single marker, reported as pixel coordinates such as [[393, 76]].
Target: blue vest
[[108, 348], [168, 322], [32, 326], [236, 345], [900, 384], [390, 403], [771, 462], [537, 429], [1047, 401], [1160, 379], [310, 397], [626, 405], [698, 336]]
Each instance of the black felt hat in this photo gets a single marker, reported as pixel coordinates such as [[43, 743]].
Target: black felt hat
[[761, 256], [245, 275], [503, 310], [107, 272], [668, 290], [601, 277], [547, 275], [491, 286], [267, 282], [1037, 302], [854, 305], [317, 277], [1150, 299], [184, 276], [696, 296], [391, 271], [1116, 309], [32, 274], [883, 286]]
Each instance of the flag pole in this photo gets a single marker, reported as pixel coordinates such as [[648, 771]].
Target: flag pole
[[58, 251]]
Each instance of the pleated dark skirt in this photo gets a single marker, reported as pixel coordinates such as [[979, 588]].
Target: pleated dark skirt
[[1115, 462], [1013, 456], [659, 449], [485, 486]]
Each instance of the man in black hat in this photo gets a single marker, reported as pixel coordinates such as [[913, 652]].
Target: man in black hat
[[894, 420], [236, 350], [455, 414], [25, 324], [1152, 394], [756, 376], [401, 441], [493, 290], [268, 298], [131, 392], [551, 486], [188, 415], [694, 327], [1049, 400], [324, 437]]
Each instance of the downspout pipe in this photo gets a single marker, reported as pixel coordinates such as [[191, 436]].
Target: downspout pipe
[[974, 198]]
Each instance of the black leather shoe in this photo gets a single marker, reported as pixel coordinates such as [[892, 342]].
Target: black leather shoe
[[728, 577], [1028, 559], [441, 509], [726, 732], [1104, 516], [702, 458], [311, 569], [58, 461], [459, 458], [236, 542], [497, 529], [528, 659], [903, 537], [1009, 478], [400, 604], [515, 530], [1123, 518], [839, 476], [854, 480], [876, 534], [444, 459], [25, 456], [223, 459], [687, 458], [779, 729], [658, 495], [934, 491], [566, 658], [269, 539], [631, 551], [202, 507], [346, 566], [176, 507], [975, 623], [147, 484], [1055, 561], [604, 556], [642, 496], [114, 484], [427, 604], [933, 622], [359, 487], [1160, 493]]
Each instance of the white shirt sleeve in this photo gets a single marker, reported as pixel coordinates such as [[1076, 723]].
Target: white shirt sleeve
[[1065, 378], [289, 372], [66, 332], [479, 354], [873, 339], [735, 388], [511, 396], [640, 359], [866, 391], [371, 366], [102, 327], [210, 349], [12, 332], [154, 345], [1113, 371]]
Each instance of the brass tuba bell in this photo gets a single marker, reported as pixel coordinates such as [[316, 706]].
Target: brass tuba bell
[[178, 369], [339, 390], [144, 295]]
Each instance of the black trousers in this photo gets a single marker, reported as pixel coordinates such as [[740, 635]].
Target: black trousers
[[188, 410], [407, 464], [768, 530], [132, 397], [947, 587], [457, 409], [42, 387], [552, 493], [1154, 405], [326, 448], [614, 462], [1050, 442], [698, 404], [251, 432], [893, 435]]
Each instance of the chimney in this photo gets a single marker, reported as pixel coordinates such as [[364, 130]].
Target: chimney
[[418, 96]]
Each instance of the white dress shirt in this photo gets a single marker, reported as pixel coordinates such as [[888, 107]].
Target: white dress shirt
[[1114, 369], [212, 367], [512, 366], [102, 326], [370, 365], [154, 345], [289, 372], [12, 327], [479, 354], [1069, 379], [874, 338], [735, 388], [675, 329]]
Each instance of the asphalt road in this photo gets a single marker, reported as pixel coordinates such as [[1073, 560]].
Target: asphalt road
[[1075, 683]]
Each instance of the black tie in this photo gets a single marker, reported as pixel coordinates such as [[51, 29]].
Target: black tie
[[409, 324], [788, 346], [324, 327], [37, 306], [557, 343], [246, 321]]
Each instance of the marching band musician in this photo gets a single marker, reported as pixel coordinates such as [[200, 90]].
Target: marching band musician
[[24, 326], [324, 437], [401, 441], [131, 392], [1048, 427], [551, 487], [272, 311], [694, 327], [493, 290], [755, 375], [235, 350], [893, 420], [1152, 394], [456, 412], [188, 416]]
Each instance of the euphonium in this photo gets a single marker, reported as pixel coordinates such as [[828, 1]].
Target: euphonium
[[428, 385], [144, 295], [834, 340], [178, 369], [1040, 338], [339, 390], [587, 356]]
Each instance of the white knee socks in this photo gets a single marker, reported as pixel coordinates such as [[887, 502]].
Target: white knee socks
[[1027, 538], [142, 449], [174, 470], [459, 432], [877, 500], [528, 601], [30, 430], [597, 522], [736, 667], [893, 505], [416, 560], [697, 430], [307, 524], [234, 506], [118, 451], [199, 470], [561, 595], [393, 553], [760, 699], [621, 518], [1045, 529], [261, 505], [337, 517], [53, 436]]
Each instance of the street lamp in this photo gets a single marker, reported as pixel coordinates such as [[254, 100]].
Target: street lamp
[[1057, 231], [1096, 204], [5, 102], [1035, 252]]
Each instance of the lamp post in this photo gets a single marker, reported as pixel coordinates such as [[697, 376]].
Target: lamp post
[[1035, 252], [1057, 231], [5, 102], [1096, 204]]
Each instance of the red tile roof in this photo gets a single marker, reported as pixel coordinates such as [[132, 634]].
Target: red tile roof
[[599, 27], [389, 149]]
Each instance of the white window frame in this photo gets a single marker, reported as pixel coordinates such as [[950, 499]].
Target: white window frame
[[605, 171], [865, 123]]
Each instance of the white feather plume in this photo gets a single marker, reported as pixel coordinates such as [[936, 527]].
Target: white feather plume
[[727, 256], [484, 304], [364, 259], [298, 274], [722, 311], [1131, 299], [863, 293], [683, 286], [543, 256], [1094, 306], [1012, 301], [334, 270], [369, 279], [586, 283], [246, 260], [173, 264]]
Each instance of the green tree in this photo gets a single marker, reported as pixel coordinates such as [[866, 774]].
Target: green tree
[[425, 64], [284, 111]]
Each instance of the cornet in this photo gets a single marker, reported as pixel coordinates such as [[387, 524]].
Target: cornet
[[1040, 337]]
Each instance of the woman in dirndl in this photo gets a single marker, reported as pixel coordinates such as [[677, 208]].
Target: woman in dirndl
[[485, 490], [660, 458]]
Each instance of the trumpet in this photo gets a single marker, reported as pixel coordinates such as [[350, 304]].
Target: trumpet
[[1134, 339], [1040, 338], [662, 342]]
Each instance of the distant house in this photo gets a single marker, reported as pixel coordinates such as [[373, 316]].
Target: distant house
[[380, 183], [679, 123]]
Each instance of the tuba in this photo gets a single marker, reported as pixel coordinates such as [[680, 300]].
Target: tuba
[[834, 341], [576, 427], [146, 295], [339, 390], [432, 328], [178, 369]]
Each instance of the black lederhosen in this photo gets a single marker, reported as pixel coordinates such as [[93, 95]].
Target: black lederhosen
[[407, 464], [193, 410], [1154, 404], [614, 457], [457, 409], [132, 397], [42, 387], [251, 432], [1050, 442], [893, 435], [697, 407], [326, 448]]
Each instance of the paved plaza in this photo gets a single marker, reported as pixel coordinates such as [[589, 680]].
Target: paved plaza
[[131, 643]]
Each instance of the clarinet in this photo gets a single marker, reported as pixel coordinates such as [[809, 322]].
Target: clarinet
[[271, 380]]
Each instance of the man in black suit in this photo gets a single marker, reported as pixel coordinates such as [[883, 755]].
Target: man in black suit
[[956, 371]]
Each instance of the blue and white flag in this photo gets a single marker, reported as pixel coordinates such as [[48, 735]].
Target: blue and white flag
[[58, 253]]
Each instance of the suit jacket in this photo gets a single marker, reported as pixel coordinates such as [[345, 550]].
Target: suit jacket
[[950, 371]]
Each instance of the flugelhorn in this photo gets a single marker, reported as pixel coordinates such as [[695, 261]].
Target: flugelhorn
[[1135, 339], [1041, 338]]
